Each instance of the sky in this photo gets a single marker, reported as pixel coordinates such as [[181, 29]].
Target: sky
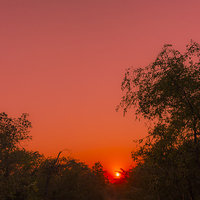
[[63, 61]]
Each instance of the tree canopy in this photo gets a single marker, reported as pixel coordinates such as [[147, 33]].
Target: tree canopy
[[167, 93]]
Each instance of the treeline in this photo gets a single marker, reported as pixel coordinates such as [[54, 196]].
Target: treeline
[[27, 175]]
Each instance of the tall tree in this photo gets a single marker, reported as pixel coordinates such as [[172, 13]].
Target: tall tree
[[12, 132], [17, 165], [167, 92]]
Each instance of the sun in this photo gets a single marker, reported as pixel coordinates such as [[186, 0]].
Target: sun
[[117, 174]]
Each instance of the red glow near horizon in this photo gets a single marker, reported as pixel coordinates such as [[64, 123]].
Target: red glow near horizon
[[63, 63]]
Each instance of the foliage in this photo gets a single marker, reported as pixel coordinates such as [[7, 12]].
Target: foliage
[[17, 180], [70, 179], [167, 93], [21, 182], [13, 131], [98, 171]]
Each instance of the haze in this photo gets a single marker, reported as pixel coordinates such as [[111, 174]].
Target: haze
[[63, 63]]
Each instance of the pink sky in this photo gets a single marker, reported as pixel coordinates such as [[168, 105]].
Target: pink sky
[[63, 63]]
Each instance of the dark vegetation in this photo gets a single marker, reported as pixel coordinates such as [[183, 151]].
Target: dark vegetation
[[29, 175], [167, 94]]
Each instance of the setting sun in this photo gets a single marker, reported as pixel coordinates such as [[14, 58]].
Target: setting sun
[[117, 174]]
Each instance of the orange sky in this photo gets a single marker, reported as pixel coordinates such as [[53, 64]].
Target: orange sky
[[63, 62]]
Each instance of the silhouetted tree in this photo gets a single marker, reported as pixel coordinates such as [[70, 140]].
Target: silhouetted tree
[[17, 179], [70, 179], [167, 93], [100, 173]]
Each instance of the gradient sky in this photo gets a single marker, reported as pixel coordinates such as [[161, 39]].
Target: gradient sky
[[63, 62]]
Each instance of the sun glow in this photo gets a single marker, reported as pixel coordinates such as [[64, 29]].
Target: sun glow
[[117, 174]]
